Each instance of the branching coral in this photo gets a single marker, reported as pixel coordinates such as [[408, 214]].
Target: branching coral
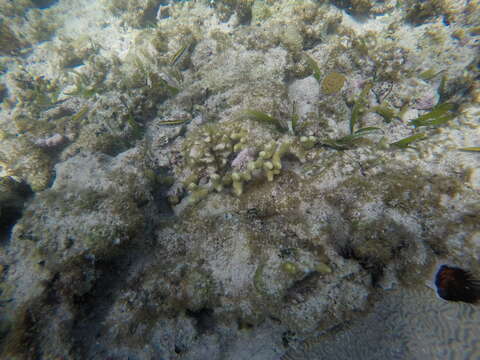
[[228, 155]]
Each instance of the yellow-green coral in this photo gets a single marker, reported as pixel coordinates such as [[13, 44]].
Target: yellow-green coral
[[290, 268], [333, 83], [308, 142]]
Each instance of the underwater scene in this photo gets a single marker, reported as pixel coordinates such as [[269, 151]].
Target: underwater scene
[[239, 179]]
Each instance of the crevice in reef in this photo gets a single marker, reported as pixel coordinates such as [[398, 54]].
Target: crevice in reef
[[12, 203], [204, 319], [43, 4], [92, 307]]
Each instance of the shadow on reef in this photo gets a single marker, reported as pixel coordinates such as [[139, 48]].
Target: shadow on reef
[[79, 295], [43, 4], [12, 198], [80, 290]]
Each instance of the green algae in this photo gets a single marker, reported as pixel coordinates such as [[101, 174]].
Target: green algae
[[386, 112], [405, 142], [359, 107], [137, 129], [36, 93], [292, 125], [85, 87], [429, 74], [442, 87], [348, 141], [439, 115], [264, 118], [470, 149], [258, 281], [314, 67], [82, 113]]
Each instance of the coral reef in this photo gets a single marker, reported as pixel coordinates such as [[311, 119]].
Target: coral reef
[[229, 179]]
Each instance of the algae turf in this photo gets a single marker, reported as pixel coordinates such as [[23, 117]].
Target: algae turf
[[10, 43], [376, 244]]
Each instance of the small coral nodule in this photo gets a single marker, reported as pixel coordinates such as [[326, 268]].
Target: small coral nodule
[[333, 83]]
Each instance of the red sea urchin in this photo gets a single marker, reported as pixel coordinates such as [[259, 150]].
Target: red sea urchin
[[455, 284]]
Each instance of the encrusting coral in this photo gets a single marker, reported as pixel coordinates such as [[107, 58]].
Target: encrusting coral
[[333, 83]]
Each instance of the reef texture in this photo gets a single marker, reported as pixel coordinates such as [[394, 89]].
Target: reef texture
[[236, 179]]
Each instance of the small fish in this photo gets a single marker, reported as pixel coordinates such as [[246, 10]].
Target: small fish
[[173, 122], [180, 52], [455, 284]]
